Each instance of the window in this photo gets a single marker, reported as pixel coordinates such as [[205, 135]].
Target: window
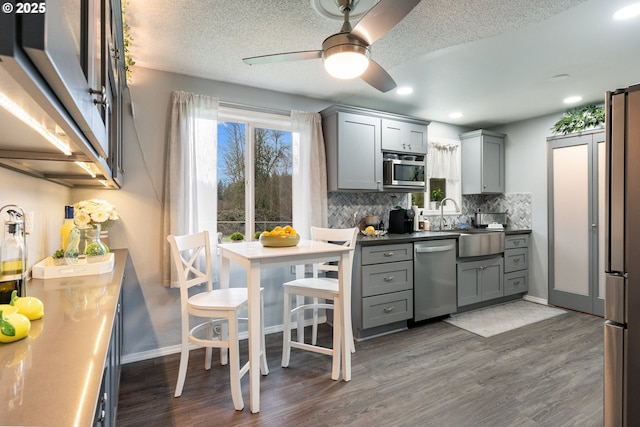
[[443, 177], [254, 172]]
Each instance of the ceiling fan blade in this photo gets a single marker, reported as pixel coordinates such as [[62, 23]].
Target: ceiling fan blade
[[282, 57], [381, 18], [377, 77]]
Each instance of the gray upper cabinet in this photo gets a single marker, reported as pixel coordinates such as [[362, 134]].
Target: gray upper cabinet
[[482, 162], [354, 157], [355, 139], [404, 137], [65, 67]]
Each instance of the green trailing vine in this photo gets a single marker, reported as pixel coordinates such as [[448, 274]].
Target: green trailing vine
[[579, 119], [128, 60]]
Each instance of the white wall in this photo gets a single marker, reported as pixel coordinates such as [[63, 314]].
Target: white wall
[[46, 200]]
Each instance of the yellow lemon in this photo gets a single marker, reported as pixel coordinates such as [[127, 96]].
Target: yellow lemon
[[265, 233], [370, 230]]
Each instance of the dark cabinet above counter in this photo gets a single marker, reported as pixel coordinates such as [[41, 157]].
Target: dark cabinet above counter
[[61, 84]]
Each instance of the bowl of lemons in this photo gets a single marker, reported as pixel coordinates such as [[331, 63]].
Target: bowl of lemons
[[280, 237], [372, 232]]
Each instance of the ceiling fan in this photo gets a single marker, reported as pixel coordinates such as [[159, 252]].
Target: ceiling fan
[[347, 54]]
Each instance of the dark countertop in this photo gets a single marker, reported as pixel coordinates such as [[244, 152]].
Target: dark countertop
[[424, 235]]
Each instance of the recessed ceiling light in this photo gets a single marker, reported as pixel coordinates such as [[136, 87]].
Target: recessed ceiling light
[[627, 12], [404, 90], [455, 115], [572, 99]]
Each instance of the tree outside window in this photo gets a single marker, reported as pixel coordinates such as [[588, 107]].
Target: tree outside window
[[254, 178]]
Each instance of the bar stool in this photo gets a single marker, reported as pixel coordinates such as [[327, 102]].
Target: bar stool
[[320, 288], [192, 257]]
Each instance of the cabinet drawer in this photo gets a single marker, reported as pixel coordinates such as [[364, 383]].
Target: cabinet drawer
[[389, 308], [387, 253], [516, 259], [385, 278], [516, 282], [516, 241]]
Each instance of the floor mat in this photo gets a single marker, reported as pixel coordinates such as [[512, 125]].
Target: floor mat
[[498, 319]]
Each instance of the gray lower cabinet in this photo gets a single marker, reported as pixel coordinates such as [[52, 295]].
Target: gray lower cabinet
[[516, 264], [107, 406], [382, 286], [480, 280]]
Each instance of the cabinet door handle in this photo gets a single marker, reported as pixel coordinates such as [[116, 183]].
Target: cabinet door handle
[[101, 96], [388, 254], [388, 278], [481, 268], [516, 260], [516, 243], [516, 283], [389, 309]]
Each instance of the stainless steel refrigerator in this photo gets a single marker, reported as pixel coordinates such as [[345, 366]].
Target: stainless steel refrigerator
[[622, 257]]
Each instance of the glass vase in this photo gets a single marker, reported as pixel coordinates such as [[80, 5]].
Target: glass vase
[[94, 249]]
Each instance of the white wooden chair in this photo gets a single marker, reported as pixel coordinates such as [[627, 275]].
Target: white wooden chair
[[220, 307], [319, 288]]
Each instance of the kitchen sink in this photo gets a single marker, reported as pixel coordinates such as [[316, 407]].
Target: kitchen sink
[[473, 243]]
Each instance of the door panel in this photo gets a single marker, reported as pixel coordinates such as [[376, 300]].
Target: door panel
[[576, 215]]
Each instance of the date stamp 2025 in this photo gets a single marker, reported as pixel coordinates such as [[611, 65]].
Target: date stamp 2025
[[24, 8]]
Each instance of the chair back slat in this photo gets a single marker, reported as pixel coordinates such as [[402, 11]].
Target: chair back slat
[[345, 236], [187, 254]]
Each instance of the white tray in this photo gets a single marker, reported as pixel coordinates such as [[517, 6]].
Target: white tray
[[46, 269]]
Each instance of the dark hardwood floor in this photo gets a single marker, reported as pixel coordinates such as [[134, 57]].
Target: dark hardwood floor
[[545, 374]]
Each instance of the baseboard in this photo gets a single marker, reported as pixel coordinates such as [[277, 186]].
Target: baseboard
[[537, 300], [165, 351]]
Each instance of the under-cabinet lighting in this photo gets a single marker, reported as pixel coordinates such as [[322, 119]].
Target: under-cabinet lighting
[[17, 111], [627, 12], [87, 168]]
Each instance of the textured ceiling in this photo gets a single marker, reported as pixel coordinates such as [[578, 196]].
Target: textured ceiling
[[491, 59]]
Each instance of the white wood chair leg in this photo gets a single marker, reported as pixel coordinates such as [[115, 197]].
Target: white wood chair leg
[[286, 332], [336, 353], [314, 328], [300, 319], [224, 335], [208, 351], [234, 365], [184, 362]]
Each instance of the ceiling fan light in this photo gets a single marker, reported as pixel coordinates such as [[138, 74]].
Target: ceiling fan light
[[346, 65]]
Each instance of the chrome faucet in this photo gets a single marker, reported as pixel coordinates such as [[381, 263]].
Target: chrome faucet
[[442, 210]]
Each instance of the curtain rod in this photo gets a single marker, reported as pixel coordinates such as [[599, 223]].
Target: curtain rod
[[255, 108]]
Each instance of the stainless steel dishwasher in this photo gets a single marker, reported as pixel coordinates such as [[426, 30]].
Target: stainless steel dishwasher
[[434, 279]]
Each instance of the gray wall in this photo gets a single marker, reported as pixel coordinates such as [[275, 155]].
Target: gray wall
[[526, 171], [150, 315]]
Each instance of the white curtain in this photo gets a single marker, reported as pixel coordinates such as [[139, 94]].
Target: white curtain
[[309, 184], [443, 161], [190, 202]]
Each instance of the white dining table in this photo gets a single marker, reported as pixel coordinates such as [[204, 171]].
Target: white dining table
[[254, 257]]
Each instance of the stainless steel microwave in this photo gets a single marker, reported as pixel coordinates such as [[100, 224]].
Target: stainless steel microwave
[[404, 174]]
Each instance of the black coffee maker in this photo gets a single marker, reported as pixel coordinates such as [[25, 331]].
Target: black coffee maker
[[401, 221]]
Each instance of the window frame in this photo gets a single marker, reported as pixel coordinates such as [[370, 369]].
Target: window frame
[[449, 209], [253, 120]]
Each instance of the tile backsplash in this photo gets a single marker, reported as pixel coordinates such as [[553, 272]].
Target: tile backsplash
[[348, 209]]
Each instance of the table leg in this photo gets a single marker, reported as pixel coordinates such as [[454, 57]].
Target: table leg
[[344, 280], [253, 283]]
